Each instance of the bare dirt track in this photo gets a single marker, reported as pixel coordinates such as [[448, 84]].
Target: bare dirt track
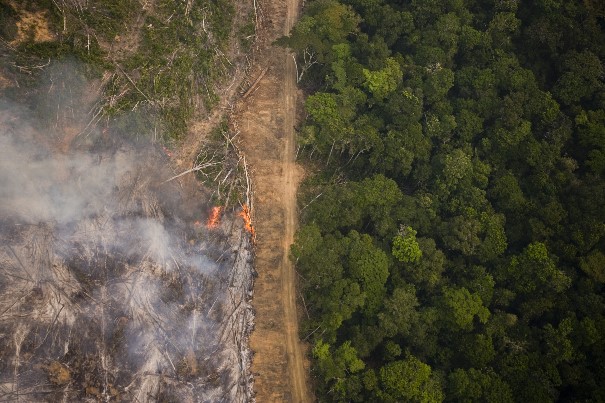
[[266, 121]]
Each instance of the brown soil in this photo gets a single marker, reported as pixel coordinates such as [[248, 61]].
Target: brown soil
[[266, 120], [58, 373], [5, 82], [32, 25]]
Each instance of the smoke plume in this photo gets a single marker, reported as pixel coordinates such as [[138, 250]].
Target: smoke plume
[[108, 291]]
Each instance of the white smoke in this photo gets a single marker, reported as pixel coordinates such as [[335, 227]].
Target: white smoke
[[107, 291]]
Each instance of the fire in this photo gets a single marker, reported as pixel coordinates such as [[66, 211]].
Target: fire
[[214, 218], [245, 214]]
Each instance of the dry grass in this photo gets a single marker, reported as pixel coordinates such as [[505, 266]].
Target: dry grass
[[32, 26]]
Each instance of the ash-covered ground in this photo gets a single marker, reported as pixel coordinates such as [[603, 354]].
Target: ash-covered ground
[[109, 290]]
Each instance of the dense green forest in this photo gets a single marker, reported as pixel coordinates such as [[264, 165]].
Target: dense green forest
[[452, 244]]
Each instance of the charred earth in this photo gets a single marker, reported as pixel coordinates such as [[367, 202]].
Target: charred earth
[[111, 286]]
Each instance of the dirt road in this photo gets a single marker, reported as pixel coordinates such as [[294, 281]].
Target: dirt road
[[298, 373], [266, 120]]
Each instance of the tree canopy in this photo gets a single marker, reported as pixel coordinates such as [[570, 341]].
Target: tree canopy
[[452, 243]]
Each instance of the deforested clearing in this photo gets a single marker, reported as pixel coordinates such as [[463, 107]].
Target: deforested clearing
[[108, 289]]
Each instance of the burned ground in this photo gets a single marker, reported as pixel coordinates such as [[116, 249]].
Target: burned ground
[[108, 290]]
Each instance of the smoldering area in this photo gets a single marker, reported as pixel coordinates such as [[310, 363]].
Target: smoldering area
[[109, 290]]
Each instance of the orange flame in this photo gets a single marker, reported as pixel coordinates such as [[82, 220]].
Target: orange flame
[[214, 218], [245, 214]]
